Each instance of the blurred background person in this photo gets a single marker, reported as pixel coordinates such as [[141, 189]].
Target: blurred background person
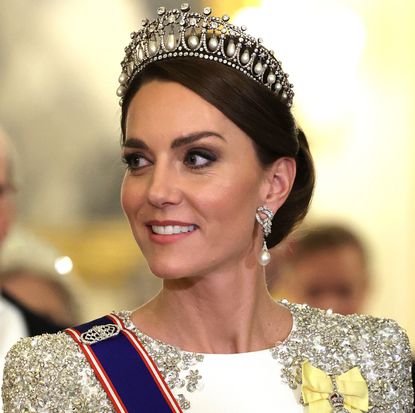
[[12, 325], [45, 302], [33, 300], [325, 266], [28, 279], [7, 186]]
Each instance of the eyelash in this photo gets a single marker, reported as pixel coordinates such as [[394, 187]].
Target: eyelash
[[135, 158], [209, 156], [132, 158]]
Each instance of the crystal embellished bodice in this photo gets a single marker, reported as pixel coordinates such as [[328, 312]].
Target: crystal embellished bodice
[[47, 372], [179, 368]]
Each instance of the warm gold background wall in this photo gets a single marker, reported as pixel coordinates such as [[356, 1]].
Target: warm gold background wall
[[352, 63]]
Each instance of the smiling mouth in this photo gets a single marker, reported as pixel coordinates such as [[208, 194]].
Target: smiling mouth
[[172, 229]]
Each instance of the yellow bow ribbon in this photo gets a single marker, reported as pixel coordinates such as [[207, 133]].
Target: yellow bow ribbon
[[321, 391]]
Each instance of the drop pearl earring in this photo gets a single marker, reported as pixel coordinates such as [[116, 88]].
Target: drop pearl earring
[[264, 217]]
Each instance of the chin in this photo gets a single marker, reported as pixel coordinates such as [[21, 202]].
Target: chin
[[168, 270]]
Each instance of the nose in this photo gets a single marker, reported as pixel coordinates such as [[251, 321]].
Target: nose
[[164, 187]]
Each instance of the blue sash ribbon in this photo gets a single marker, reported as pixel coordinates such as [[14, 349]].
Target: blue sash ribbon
[[125, 370]]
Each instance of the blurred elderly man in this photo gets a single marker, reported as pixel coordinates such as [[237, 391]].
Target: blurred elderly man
[[12, 324], [36, 290], [7, 187]]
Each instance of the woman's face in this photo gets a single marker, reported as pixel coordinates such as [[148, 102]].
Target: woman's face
[[192, 184]]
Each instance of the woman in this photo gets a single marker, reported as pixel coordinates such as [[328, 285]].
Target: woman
[[217, 172]]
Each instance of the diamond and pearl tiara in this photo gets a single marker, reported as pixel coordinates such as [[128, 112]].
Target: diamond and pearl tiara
[[182, 33]]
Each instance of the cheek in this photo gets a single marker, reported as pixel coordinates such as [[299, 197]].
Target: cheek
[[232, 204], [131, 196]]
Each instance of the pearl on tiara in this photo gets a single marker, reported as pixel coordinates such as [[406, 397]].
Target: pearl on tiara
[[182, 33]]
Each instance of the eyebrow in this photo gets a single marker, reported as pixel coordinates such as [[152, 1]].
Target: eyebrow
[[138, 143]]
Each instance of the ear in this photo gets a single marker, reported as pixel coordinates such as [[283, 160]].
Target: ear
[[279, 181]]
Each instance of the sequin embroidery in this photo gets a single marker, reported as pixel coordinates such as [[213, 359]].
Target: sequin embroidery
[[49, 374]]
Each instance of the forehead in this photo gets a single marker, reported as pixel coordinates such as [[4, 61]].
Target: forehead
[[161, 105], [343, 261]]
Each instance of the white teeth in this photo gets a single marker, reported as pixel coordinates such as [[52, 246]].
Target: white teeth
[[171, 229]]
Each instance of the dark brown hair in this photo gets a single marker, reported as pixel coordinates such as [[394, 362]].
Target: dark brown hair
[[328, 236], [255, 110]]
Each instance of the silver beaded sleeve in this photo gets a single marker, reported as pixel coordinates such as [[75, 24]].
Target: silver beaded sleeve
[[49, 374], [336, 343]]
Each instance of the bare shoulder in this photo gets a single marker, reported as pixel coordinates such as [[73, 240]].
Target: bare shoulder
[[46, 372]]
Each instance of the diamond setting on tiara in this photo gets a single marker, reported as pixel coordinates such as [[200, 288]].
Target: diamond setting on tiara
[[183, 33]]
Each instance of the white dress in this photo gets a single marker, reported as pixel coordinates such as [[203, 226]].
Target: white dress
[[243, 383], [49, 373]]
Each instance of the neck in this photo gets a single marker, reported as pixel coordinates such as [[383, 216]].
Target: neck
[[220, 313]]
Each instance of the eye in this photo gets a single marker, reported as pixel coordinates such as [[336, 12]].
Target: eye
[[199, 158], [135, 161]]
